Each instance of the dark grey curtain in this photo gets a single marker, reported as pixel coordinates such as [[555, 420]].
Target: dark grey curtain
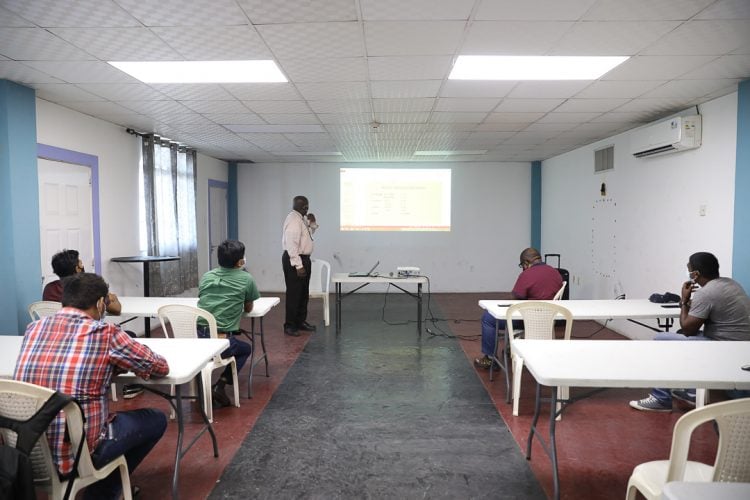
[[169, 185]]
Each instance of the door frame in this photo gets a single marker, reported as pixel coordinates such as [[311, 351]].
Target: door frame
[[213, 183], [54, 153]]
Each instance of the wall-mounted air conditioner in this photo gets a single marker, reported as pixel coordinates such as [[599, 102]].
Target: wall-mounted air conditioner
[[668, 136]]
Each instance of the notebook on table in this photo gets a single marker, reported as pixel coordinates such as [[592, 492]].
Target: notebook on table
[[364, 275]]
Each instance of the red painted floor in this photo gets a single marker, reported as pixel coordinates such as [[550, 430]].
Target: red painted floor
[[600, 439]]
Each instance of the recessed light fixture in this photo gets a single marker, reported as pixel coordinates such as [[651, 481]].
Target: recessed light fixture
[[202, 71], [451, 153], [533, 67]]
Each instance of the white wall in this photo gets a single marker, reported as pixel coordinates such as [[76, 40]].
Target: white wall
[[490, 225], [118, 153], [642, 232]]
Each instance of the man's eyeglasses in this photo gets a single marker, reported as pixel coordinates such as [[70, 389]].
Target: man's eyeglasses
[[520, 265]]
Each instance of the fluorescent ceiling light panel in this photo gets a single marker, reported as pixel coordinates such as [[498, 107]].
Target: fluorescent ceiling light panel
[[202, 71], [451, 153], [533, 67]]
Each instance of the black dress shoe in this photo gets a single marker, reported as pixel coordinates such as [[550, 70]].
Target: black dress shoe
[[293, 332], [307, 327]]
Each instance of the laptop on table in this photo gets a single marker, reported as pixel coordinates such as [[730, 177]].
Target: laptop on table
[[364, 275]]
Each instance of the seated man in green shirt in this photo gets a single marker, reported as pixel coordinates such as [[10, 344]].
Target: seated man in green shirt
[[227, 292]]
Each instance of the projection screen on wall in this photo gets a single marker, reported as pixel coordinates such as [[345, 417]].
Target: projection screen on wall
[[383, 199]]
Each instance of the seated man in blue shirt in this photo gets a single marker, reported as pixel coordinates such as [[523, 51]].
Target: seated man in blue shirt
[[227, 292]]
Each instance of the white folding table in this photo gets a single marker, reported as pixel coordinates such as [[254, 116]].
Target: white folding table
[[186, 359], [627, 363], [340, 278], [633, 309], [148, 306]]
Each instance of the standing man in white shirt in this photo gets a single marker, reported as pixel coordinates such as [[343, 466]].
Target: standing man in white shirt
[[297, 242]]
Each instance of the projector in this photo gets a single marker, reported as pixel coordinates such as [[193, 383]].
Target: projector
[[408, 271]]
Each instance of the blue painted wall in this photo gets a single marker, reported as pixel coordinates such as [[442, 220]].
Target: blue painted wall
[[20, 270], [741, 243], [536, 205]]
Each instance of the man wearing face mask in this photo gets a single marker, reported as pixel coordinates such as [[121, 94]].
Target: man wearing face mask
[[77, 353], [719, 305]]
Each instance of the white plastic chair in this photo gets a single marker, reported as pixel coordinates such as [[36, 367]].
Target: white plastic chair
[[20, 401], [732, 462], [538, 323], [320, 279], [559, 294], [183, 322], [43, 308]]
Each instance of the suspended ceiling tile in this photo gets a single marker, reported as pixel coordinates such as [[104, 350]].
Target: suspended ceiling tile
[[528, 138], [514, 117], [71, 13], [556, 117], [489, 126], [613, 38], [645, 10], [56, 92], [22, 73], [405, 89], [290, 118], [717, 93], [549, 90], [131, 120], [395, 10], [551, 128], [317, 69], [726, 9], [152, 107], [513, 38], [711, 37], [655, 106], [215, 43], [533, 10], [36, 44], [333, 90], [94, 108], [417, 38], [271, 142], [468, 88], [335, 39], [442, 117], [590, 105], [402, 105], [409, 68], [274, 129], [656, 67], [234, 118], [689, 89], [621, 117], [182, 13], [183, 120], [118, 44], [465, 104], [344, 118], [401, 118], [528, 105], [230, 106], [341, 106], [82, 71], [277, 106], [262, 91], [193, 91], [618, 89], [298, 11], [10, 20], [730, 66], [123, 91]]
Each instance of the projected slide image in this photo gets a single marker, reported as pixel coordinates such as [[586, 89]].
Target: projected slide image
[[395, 199]]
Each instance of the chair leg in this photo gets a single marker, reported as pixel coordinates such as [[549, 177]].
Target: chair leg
[[207, 402], [113, 388], [326, 310], [632, 492], [517, 372], [563, 393], [172, 414], [701, 398], [235, 381], [125, 481]]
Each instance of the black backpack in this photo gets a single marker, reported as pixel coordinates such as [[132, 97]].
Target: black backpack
[[16, 473]]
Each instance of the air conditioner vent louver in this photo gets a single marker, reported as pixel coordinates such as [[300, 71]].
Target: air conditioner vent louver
[[676, 134]]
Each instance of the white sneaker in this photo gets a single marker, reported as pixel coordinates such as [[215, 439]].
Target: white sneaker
[[650, 404]]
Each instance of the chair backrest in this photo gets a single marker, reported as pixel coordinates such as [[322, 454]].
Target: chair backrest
[[539, 319], [20, 401], [43, 308], [732, 462], [560, 292], [320, 277], [183, 321]]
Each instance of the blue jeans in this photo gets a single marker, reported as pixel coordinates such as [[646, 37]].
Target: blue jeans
[[134, 433], [488, 332], [664, 395], [237, 348]]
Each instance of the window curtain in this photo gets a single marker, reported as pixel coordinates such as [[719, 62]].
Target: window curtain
[[169, 186]]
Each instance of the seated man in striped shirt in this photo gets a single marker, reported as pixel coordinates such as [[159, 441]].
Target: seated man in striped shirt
[[77, 353]]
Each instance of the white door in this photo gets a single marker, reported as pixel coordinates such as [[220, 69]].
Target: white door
[[217, 221], [65, 213]]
